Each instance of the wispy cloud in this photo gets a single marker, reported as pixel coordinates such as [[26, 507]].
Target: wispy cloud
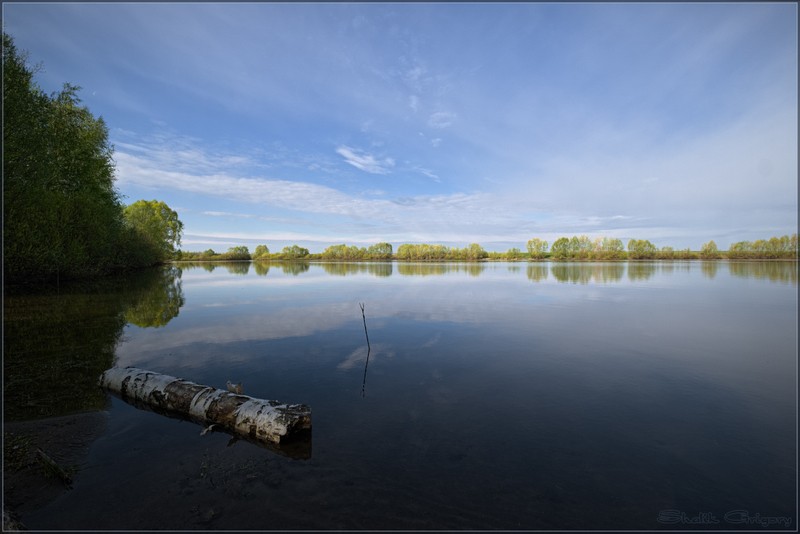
[[427, 172], [413, 77], [388, 215], [228, 214], [441, 119], [304, 196], [297, 321], [359, 356], [364, 161]]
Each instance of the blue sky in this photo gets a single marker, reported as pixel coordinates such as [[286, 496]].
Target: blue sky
[[442, 123]]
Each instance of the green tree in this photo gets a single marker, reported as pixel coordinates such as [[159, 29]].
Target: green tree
[[611, 249], [157, 225], [62, 216], [405, 252], [294, 252], [238, 253], [514, 253], [344, 252], [709, 251], [560, 249], [641, 249], [261, 252], [740, 250], [580, 247], [334, 252], [425, 251], [380, 251], [475, 252], [666, 253], [537, 248]]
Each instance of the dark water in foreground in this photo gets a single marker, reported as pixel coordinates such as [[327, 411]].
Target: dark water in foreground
[[497, 396]]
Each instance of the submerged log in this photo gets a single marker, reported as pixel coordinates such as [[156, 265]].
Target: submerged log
[[267, 422], [51, 467]]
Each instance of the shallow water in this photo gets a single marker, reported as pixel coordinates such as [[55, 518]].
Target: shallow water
[[496, 396]]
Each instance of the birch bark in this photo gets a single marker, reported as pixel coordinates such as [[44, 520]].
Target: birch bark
[[266, 421]]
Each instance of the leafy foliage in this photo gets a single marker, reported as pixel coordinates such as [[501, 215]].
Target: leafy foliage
[[608, 249], [344, 252], [561, 249], [709, 251], [537, 248], [261, 252], [294, 252], [772, 248], [666, 253], [641, 249], [564, 248], [380, 251], [157, 226], [425, 252], [238, 253], [62, 215], [514, 254]]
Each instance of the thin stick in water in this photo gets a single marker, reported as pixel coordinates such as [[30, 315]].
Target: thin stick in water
[[364, 317], [369, 350]]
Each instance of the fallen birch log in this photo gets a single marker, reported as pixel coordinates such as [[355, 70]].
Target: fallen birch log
[[266, 421]]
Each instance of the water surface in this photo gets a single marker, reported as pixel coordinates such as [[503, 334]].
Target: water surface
[[496, 396]]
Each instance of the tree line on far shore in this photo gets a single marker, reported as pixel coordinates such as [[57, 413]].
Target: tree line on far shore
[[576, 248]]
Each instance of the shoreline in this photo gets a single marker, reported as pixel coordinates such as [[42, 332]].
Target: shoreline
[[491, 260], [66, 439]]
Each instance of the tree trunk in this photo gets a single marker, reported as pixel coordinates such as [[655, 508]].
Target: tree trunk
[[271, 423]]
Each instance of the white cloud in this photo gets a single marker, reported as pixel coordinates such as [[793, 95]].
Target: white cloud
[[303, 196], [364, 161], [434, 217], [441, 119], [359, 356], [291, 322], [413, 103], [414, 77], [228, 214], [427, 172]]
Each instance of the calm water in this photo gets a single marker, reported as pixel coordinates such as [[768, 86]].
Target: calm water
[[496, 396]]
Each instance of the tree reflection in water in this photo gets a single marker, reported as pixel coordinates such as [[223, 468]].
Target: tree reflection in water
[[583, 273], [346, 268], [158, 302], [294, 267], [774, 271], [57, 341]]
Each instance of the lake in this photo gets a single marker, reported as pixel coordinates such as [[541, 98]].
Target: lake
[[496, 395]]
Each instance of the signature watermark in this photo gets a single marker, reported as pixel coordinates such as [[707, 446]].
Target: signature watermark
[[732, 517]]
